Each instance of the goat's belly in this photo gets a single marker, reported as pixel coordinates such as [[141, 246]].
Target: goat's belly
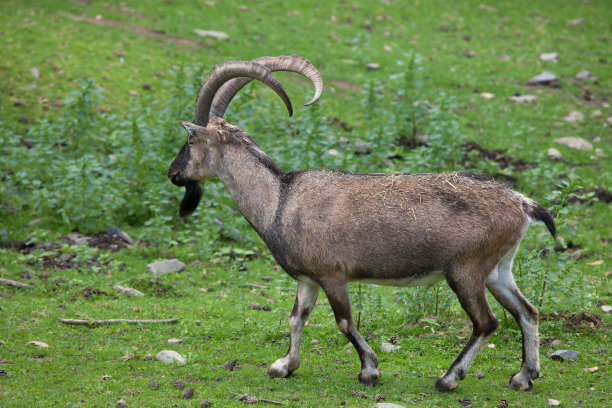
[[428, 279]]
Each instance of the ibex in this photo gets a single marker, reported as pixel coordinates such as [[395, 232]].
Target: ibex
[[326, 228]]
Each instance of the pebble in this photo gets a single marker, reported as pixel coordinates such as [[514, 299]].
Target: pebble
[[553, 402], [480, 376], [168, 356], [362, 146], [388, 347], [543, 78], [175, 341], [574, 143], [179, 385], [523, 98], [219, 35], [564, 355], [388, 405], [206, 404], [586, 76], [122, 403], [167, 266], [78, 239], [554, 154], [129, 291], [549, 56], [373, 66], [573, 116], [606, 308], [153, 385]]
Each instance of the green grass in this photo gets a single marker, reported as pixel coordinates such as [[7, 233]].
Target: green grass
[[69, 181]]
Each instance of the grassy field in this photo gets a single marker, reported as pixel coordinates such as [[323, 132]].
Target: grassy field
[[92, 94]]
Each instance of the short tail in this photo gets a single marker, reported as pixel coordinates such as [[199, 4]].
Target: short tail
[[537, 212]]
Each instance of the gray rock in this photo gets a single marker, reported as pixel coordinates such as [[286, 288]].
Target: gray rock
[[167, 266], [388, 405], [175, 341], [549, 56], [116, 231], [388, 347], [576, 22], [122, 404], [373, 66], [188, 393], [168, 356], [564, 355], [362, 146], [206, 404], [554, 154], [573, 116], [606, 308], [480, 376], [575, 143], [78, 239], [553, 402], [586, 76], [219, 35], [523, 98], [543, 78], [129, 291]]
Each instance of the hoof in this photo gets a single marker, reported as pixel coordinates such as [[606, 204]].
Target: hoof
[[280, 369], [520, 382], [369, 377], [443, 384]]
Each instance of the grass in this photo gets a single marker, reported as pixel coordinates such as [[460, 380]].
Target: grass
[[100, 157]]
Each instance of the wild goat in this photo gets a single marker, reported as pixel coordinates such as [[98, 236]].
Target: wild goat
[[326, 228]]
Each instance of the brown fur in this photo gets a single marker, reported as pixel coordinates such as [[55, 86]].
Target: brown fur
[[327, 228]]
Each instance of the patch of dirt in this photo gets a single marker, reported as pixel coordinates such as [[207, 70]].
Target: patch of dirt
[[107, 242], [496, 155], [143, 31], [603, 195], [90, 291], [584, 320]]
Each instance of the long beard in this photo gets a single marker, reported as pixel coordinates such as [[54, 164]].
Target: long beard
[[193, 194]]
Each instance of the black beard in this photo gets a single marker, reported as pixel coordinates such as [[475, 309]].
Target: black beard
[[193, 194]]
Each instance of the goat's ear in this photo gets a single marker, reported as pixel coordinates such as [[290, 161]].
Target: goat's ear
[[199, 131]]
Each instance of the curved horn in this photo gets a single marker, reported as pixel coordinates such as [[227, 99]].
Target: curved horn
[[222, 73], [293, 63]]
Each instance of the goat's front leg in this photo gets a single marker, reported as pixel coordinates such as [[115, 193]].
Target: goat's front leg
[[304, 303], [338, 296]]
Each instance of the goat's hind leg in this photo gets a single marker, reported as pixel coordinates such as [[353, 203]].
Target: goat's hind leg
[[304, 303], [502, 286], [472, 297]]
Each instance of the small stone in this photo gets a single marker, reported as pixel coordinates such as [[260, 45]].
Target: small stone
[[564, 355], [586, 76], [523, 98], [206, 404], [255, 306], [553, 402], [487, 95], [266, 278], [314, 341], [188, 393], [121, 403], [606, 308], [543, 78], [554, 154], [129, 291], [373, 66], [575, 22], [78, 239], [480, 376], [179, 385], [362, 146], [168, 356], [388, 347], [388, 405], [597, 114], [35, 72], [491, 345], [591, 369], [379, 397], [146, 85], [573, 116], [550, 56], [167, 266], [574, 143], [333, 152], [175, 341], [153, 385], [469, 54], [133, 93], [218, 35], [116, 231]]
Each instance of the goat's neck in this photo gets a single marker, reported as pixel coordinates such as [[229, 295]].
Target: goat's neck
[[253, 181]]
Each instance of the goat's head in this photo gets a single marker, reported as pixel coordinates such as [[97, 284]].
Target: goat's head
[[195, 161]]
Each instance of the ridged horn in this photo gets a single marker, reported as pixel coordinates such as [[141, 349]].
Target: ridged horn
[[227, 71], [292, 63]]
